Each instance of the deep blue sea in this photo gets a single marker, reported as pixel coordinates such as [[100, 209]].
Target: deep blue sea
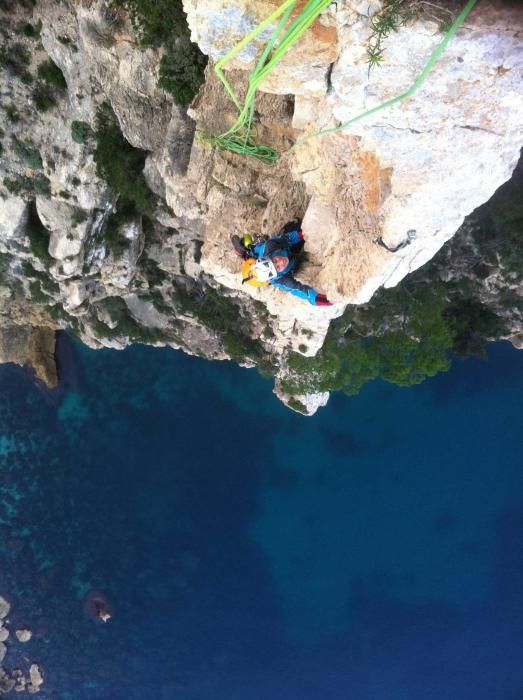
[[372, 552]]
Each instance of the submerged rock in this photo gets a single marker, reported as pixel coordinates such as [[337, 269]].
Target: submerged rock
[[23, 635], [5, 607], [35, 674]]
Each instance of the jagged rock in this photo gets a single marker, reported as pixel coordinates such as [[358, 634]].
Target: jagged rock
[[67, 236], [145, 312], [306, 404], [41, 355], [448, 147], [218, 25], [127, 75], [119, 268], [23, 635], [13, 219], [34, 346]]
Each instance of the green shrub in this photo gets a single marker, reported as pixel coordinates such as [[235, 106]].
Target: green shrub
[[221, 314], [472, 324], [121, 165], [297, 405], [28, 185], [154, 274], [31, 31], [80, 131], [12, 114], [182, 70], [37, 295], [38, 236], [41, 184], [49, 72], [163, 23], [10, 5], [44, 96], [112, 231], [29, 155], [14, 185], [407, 354], [79, 216], [394, 14], [156, 21], [14, 58]]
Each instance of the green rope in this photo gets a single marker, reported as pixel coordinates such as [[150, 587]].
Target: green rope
[[238, 138], [418, 82]]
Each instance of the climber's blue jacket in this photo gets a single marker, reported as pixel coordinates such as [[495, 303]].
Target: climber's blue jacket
[[288, 244]]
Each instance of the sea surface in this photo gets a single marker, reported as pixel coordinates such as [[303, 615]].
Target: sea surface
[[372, 552]]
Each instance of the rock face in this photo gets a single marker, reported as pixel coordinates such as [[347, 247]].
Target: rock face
[[73, 256], [420, 165], [439, 145], [33, 346]]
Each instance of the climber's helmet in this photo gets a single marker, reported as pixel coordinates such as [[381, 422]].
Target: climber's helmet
[[264, 269]]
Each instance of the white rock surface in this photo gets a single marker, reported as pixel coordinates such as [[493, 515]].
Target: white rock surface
[[218, 25], [450, 145], [13, 218]]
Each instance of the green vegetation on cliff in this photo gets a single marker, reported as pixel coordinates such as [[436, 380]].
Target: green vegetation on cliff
[[406, 334], [120, 164], [163, 23], [360, 347], [221, 314]]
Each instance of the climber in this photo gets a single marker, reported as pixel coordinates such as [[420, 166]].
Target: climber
[[273, 262]]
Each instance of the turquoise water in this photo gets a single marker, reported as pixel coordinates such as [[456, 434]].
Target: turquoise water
[[373, 552]]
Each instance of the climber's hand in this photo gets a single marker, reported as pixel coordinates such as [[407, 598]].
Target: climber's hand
[[321, 300]]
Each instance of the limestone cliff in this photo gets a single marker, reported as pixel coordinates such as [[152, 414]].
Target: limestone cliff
[[115, 212]]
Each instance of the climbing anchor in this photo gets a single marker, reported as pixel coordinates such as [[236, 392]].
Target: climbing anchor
[[411, 236]]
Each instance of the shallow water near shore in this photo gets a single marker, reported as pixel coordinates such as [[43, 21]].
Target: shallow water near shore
[[374, 551]]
